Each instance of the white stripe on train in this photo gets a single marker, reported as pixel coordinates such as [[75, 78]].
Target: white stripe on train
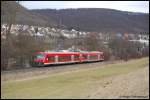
[[71, 62]]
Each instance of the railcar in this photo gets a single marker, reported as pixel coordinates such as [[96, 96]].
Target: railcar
[[65, 57]]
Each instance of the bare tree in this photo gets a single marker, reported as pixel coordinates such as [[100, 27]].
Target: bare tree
[[8, 43]]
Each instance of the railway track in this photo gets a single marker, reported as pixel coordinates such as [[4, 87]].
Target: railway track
[[35, 71], [48, 67]]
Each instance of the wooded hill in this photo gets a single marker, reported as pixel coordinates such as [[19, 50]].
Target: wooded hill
[[83, 19], [99, 20], [23, 15]]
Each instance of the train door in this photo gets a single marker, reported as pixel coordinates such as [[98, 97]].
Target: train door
[[99, 56], [72, 58], [56, 58]]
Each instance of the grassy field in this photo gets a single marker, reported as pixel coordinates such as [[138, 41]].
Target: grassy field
[[72, 84]]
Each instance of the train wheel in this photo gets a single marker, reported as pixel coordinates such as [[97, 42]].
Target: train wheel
[[40, 64]]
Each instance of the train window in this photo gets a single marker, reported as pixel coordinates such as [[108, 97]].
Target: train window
[[85, 56], [62, 58], [93, 57], [51, 58], [76, 57]]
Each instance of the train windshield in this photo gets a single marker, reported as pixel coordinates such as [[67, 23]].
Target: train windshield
[[39, 56]]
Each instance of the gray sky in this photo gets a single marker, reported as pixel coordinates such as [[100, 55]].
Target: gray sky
[[133, 6]]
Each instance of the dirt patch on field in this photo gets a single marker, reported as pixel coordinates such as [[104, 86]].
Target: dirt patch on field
[[131, 85]]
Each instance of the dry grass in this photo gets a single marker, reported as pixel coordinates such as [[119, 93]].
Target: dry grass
[[71, 84]]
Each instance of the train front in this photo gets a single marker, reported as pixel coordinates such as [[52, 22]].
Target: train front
[[38, 59]]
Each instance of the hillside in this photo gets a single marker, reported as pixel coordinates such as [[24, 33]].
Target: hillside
[[23, 15], [98, 19], [83, 19]]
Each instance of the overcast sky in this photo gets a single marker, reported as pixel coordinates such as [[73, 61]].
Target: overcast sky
[[133, 6]]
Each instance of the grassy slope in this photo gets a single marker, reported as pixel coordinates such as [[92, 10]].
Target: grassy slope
[[75, 84]]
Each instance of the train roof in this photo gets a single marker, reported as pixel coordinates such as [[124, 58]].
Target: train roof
[[66, 51]]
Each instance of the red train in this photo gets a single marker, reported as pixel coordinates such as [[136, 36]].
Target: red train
[[64, 57]]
